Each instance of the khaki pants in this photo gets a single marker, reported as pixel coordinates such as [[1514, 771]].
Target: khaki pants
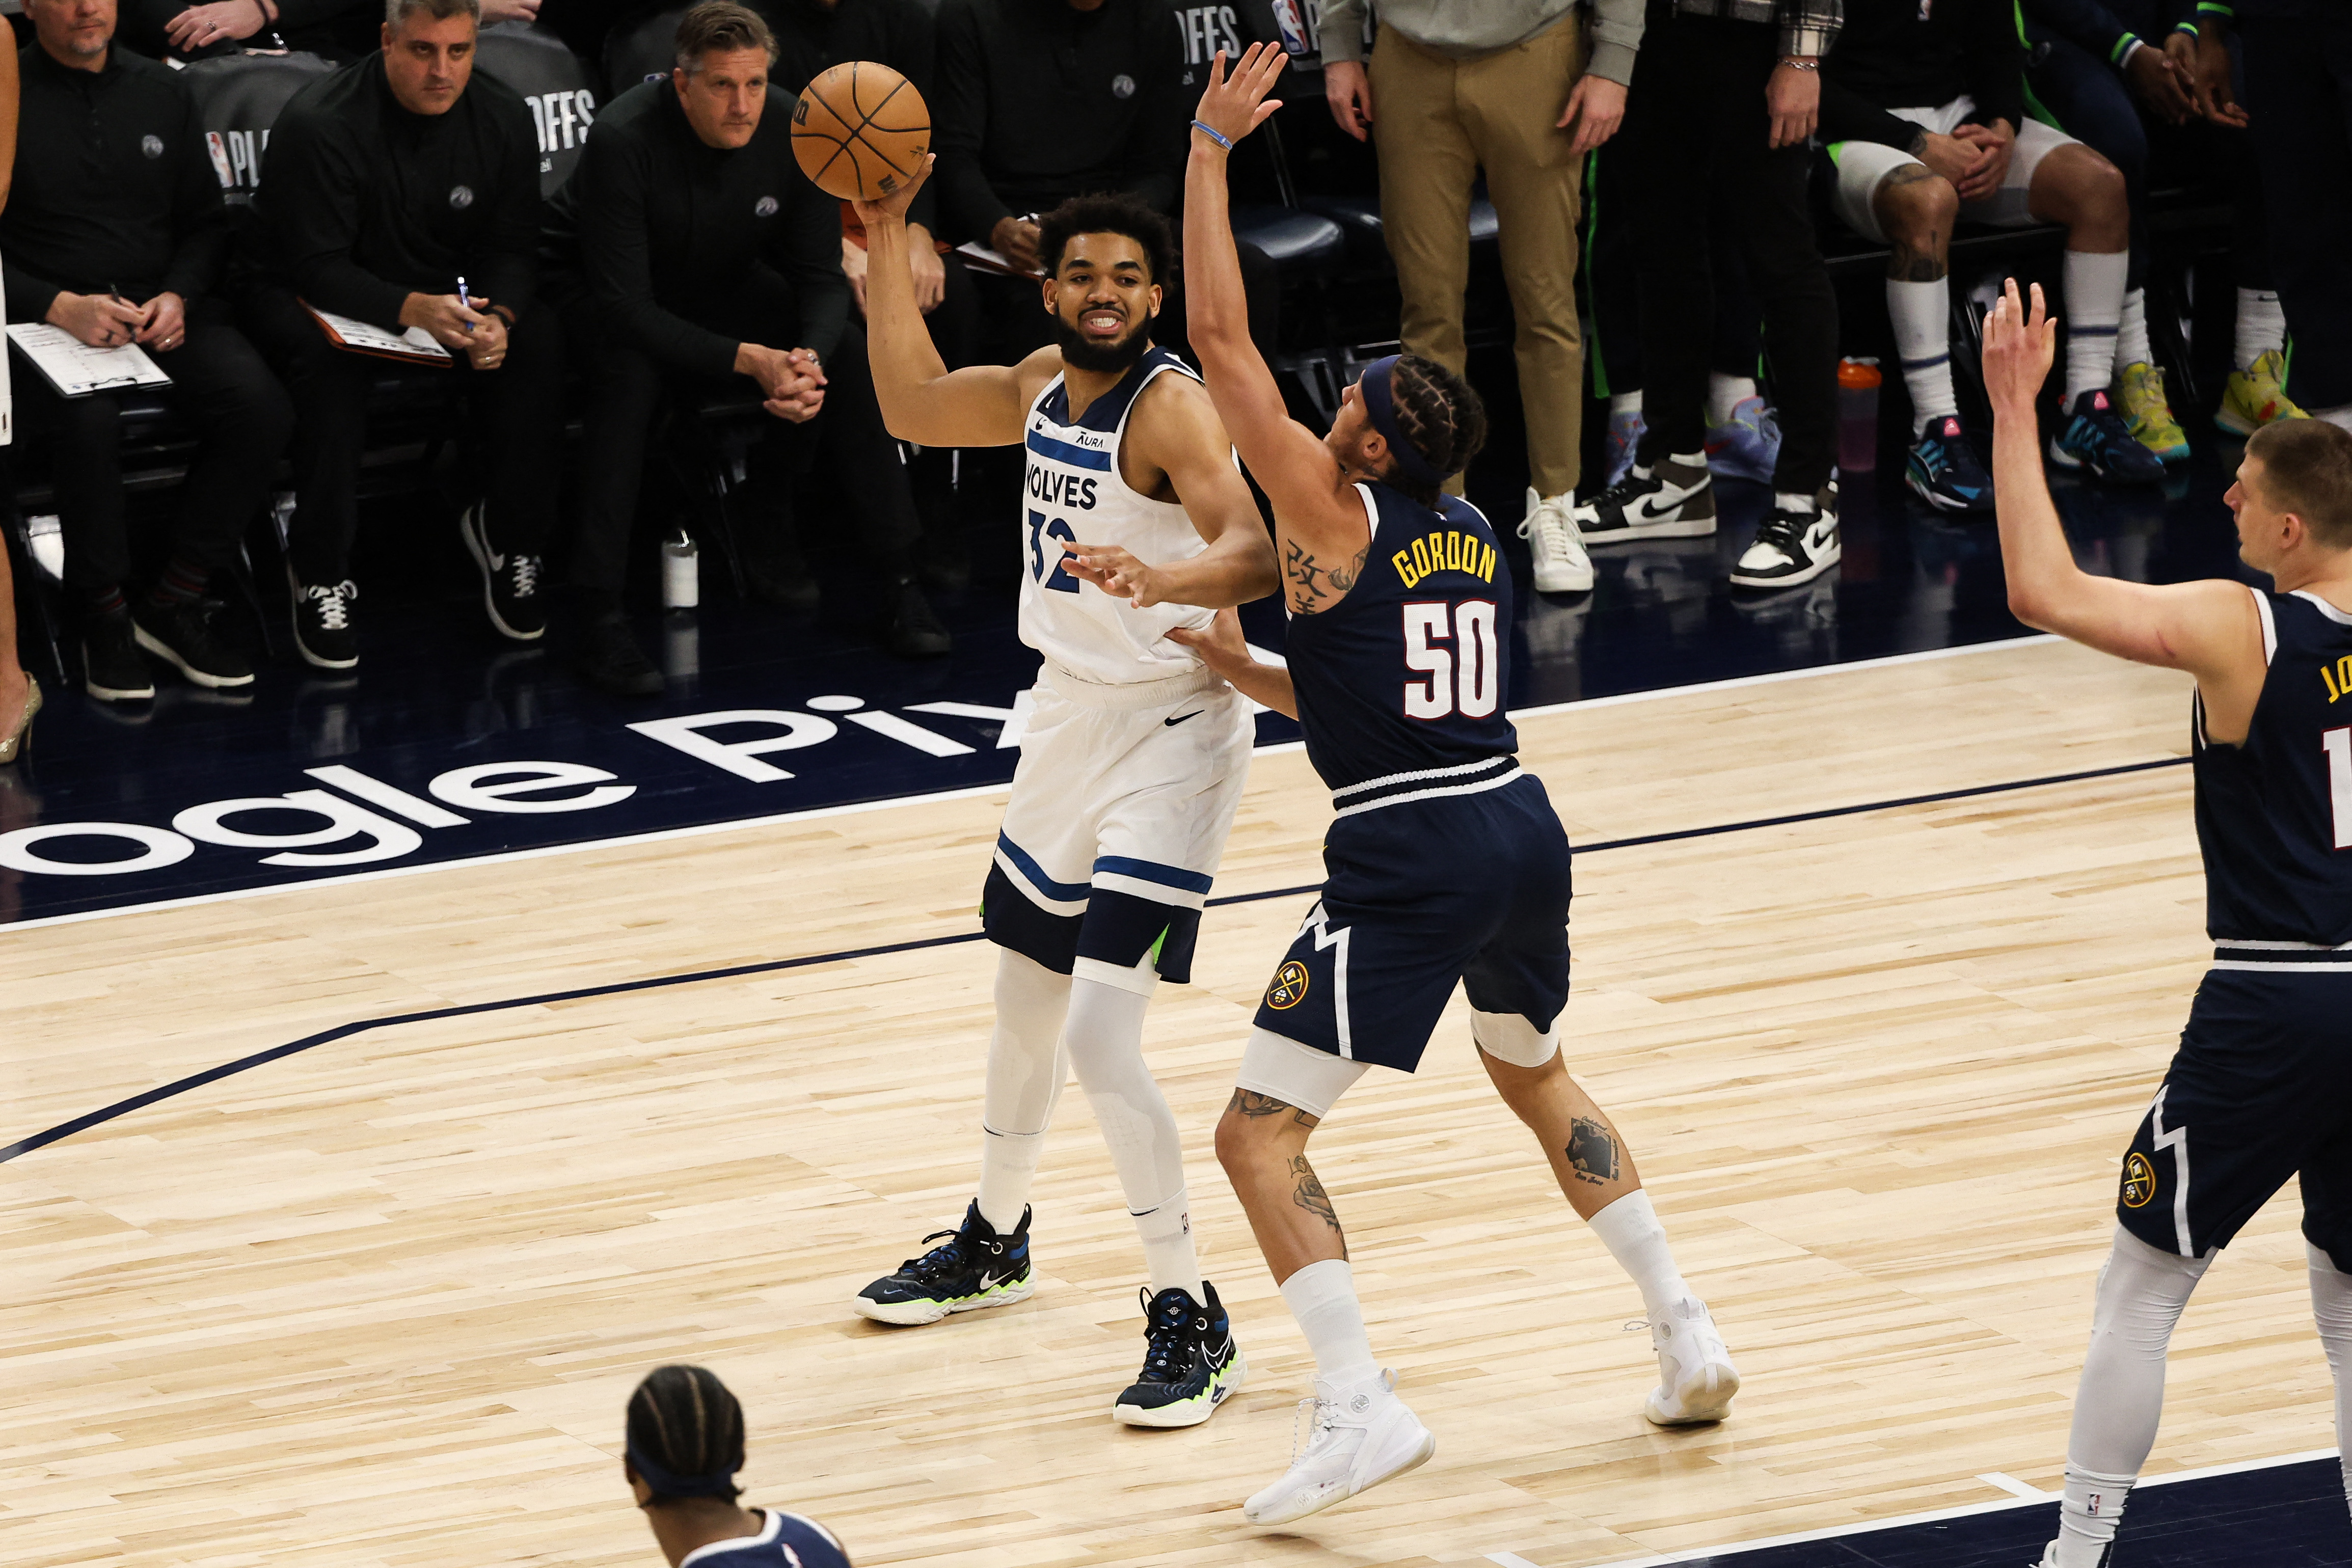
[[1436, 122]]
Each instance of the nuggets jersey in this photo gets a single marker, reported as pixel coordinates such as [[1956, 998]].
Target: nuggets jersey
[[789, 1541], [2275, 813], [1406, 675], [1072, 491]]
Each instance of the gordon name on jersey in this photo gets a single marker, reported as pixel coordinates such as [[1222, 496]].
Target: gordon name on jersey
[[1073, 492]]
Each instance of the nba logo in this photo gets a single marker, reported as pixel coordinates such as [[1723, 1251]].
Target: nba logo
[[1292, 27]]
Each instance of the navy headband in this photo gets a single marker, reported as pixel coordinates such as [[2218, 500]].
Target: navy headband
[[1380, 402], [666, 1485]]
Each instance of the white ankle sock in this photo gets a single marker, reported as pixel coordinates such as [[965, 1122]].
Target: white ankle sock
[[1922, 315], [1785, 501], [1166, 1231], [2093, 1506], [2131, 334], [1689, 459], [1625, 402], [2262, 326], [1726, 393], [2095, 309], [1629, 1228], [1026, 1069], [2340, 416], [1322, 1297]]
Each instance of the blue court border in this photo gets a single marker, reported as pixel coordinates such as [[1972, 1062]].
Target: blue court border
[[620, 988]]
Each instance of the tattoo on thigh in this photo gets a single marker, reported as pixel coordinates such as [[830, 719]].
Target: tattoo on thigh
[[1592, 1151], [1310, 1195], [1254, 1105]]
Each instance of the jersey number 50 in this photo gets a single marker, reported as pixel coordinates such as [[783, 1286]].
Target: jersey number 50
[[1466, 679]]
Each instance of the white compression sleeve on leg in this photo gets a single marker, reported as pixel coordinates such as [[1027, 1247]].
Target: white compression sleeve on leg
[[1921, 314], [1105, 1035], [1322, 1297], [2095, 310], [2331, 1308], [1026, 1069], [1629, 1228], [2131, 334], [2141, 1293]]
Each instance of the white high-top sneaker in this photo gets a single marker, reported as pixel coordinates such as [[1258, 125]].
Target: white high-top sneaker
[[1362, 1435], [1695, 1377], [1561, 564]]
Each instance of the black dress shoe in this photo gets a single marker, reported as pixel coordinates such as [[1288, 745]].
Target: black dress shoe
[[607, 653], [915, 631]]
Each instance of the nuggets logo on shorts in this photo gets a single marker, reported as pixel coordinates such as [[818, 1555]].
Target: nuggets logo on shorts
[[1289, 987], [2139, 1182]]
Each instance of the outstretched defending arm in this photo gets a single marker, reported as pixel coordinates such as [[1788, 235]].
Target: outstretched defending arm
[[923, 400], [1320, 524], [2209, 629]]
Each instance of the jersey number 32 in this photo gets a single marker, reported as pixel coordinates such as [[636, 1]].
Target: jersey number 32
[[1465, 678]]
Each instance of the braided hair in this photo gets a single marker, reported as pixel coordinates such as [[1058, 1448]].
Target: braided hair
[[1441, 414], [683, 1419]]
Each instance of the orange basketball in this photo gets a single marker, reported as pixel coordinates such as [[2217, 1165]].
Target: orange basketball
[[860, 131]]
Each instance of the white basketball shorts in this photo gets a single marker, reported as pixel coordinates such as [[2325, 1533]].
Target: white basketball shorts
[[1863, 167]]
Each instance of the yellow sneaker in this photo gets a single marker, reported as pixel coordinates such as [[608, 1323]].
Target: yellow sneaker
[[2140, 389], [2255, 396]]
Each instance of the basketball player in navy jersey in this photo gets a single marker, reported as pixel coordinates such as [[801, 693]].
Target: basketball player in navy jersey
[[685, 1445], [2261, 1087], [1446, 863], [1131, 765]]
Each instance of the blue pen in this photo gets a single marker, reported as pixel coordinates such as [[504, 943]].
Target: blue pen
[[463, 298]]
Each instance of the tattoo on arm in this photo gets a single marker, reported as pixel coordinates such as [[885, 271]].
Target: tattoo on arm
[[1314, 584], [1310, 1195], [1592, 1151], [1249, 1103]]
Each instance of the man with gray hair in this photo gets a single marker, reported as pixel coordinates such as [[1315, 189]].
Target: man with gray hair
[[1516, 87], [405, 194]]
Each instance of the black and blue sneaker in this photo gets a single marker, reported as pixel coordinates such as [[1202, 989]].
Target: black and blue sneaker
[[1943, 470], [1191, 1362], [2095, 437], [973, 1267]]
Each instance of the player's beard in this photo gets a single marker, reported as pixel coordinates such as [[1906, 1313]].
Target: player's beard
[[1080, 351]]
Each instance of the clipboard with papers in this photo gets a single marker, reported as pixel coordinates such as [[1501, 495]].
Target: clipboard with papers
[[413, 346], [76, 369], [988, 260]]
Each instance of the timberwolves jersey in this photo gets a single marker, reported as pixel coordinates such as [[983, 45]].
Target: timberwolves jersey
[[1406, 675], [2275, 813], [1073, 492], [789, 1541]]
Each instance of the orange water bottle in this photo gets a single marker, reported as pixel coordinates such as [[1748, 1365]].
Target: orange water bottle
[[1858, 380]]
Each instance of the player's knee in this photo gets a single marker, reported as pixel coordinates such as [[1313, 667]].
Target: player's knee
[[1917, 213], [2083, 188]]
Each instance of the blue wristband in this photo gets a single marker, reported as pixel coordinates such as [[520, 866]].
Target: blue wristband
[[1213, 136]]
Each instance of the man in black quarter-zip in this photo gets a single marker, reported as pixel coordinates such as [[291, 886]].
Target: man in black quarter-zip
[[391, 181], [115, 235]]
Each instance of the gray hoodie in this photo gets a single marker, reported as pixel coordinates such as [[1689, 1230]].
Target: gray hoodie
[[1465, 29]]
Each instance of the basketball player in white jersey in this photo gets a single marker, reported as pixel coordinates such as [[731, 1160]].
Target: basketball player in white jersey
[[1131, 764]]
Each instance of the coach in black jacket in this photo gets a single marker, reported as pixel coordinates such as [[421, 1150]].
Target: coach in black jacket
[[692, 255], [389, 182], [116, 234]]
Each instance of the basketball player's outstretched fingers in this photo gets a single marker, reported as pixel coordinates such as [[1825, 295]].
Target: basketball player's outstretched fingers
[[1236, 106], [896, 203]]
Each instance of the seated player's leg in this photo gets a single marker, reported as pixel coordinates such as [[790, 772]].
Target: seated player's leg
[[2256, 1092], [2061, 181], [1885, 195], [1157, 849], [1363, 1434], [1032, 907]]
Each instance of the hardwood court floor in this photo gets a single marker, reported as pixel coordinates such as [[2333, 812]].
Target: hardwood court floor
[[381, 1303]]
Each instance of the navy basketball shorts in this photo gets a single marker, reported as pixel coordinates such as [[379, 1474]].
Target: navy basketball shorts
[[2260, 1090], [1118, 819], [1420, 895]]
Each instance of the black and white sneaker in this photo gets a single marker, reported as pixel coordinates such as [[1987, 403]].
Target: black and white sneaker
[[183, 636], [1666, 501], [1791, 547], [111, 668], [510, 582], [1191, 1362], [974, 1267], [322, 621]]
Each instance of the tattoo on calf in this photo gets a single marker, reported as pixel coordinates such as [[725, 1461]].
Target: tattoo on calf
[[1311, 1196], [1592, 1151]]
